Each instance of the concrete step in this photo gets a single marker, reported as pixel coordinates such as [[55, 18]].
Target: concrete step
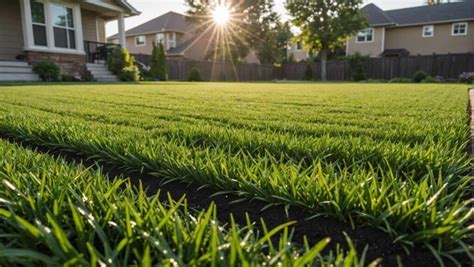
[[4, 69], [96, 66], [107, 79], [19, 77], [100, 72], [4, 63]]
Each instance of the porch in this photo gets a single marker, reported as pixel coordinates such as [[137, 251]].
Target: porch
[[59, 31]]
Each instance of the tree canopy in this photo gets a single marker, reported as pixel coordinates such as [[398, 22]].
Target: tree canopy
[[252, 23], [325, 24]]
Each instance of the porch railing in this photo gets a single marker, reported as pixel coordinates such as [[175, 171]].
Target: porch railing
[[98, 52]]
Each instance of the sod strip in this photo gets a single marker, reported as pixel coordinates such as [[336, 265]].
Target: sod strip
[[53, 213], [303, 228]]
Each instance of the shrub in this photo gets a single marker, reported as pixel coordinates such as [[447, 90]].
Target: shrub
[[159, 68], [122, 64], [119, 59], [419, 76], [129, 74], [466, 77], [87, 77], [47, 71], [400, 80], [376, 81], [356, 62], [429, 79], [68, 78], [308, 74], [195, 75]]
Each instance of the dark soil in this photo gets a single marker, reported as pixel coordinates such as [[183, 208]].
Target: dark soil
[[379, 243]]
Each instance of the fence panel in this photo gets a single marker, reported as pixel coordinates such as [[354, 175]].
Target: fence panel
[[448, 66]]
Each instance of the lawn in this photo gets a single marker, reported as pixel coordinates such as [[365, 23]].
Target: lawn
[[385, 156]]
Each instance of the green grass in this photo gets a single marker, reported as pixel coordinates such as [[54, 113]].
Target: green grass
[[56, 214], [391, 156]]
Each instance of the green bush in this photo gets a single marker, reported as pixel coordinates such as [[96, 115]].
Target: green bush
[[429, 79], [308, 74], [195, 75], [68, 78], [129, 74], [87, 77], [122, 64], [419, 76], [159, 68], [47, 71], [356, 62]]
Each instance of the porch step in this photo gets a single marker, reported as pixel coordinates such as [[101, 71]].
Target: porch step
[[17, 71], [101, 73], [18, 77], [4, 63]]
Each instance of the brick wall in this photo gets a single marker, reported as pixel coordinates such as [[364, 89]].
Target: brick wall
[[70, 64]]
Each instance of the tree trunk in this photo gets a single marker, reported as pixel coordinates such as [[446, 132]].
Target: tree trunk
[[324, 56]]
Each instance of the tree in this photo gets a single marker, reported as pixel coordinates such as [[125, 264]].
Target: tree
[[275, 48], [250, 25], [158, 65], [325, 24]]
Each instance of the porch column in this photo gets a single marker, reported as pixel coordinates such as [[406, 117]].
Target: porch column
[[26, 23], [121, 29]]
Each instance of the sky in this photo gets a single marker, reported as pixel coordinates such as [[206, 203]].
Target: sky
[[153, 8]]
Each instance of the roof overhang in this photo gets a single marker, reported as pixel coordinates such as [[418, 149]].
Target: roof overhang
[[110, 11]]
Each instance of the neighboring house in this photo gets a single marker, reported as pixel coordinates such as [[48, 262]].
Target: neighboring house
[[432, 29], [60, 31], [179, 37], [298, 52]]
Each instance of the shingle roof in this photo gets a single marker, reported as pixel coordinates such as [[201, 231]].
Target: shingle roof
[[377, 16], [170, 21], [420, 15]]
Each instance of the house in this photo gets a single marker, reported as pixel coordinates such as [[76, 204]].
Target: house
[[297, 52], [69, 33], [180, 38], [424, 30]]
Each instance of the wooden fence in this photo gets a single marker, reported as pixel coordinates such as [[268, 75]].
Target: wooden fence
[[448, 66]]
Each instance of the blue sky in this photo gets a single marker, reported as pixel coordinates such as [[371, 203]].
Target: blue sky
[[154, 8]]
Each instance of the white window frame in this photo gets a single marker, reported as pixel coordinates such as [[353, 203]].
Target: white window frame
[[171, 42], [365, 37], [137, 38], [67, 28], [27, 23], [459, 34], [157, 39], [423, 33]]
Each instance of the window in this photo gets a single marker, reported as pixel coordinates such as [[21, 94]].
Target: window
[[160, 38], [428, 31], [459, 29], [365, 36], [299, 46], [63, 27], [140, 40], [171, 40], [39, 24]]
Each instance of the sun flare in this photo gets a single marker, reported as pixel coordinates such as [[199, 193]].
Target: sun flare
[[221, 14]]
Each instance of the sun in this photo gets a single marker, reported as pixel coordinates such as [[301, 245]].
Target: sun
[[221, 14]]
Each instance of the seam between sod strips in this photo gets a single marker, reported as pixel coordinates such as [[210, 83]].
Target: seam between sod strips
[[379, 243]]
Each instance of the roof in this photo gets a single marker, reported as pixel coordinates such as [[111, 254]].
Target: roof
[[377, 16], [169, 22], [127, 5], [455, 11]]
